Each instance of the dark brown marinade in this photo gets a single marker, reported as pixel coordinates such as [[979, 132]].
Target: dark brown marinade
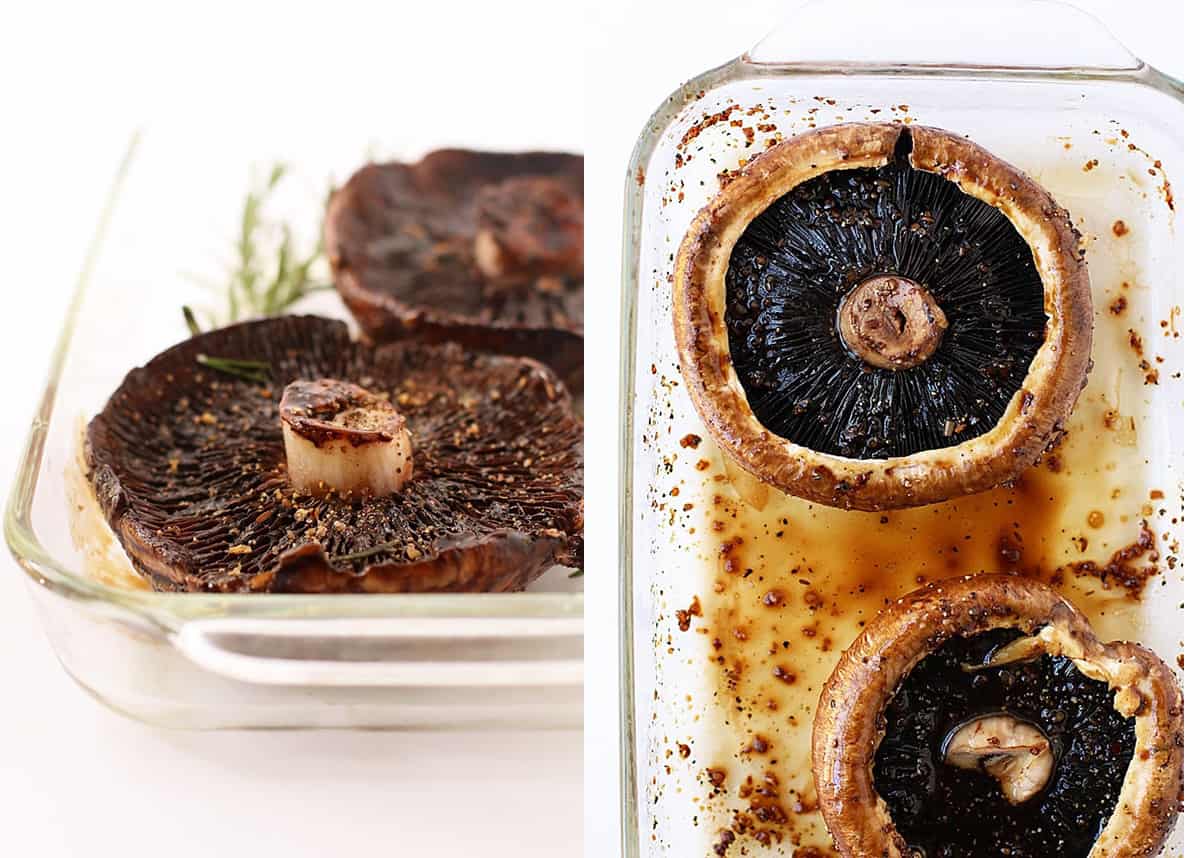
[[954, 813], [795, 263]]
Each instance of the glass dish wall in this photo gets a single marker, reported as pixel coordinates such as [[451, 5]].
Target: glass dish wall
[[249, 660], [703, 541]]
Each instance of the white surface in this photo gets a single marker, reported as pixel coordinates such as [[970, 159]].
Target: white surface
[[646, 51], [76, 779]]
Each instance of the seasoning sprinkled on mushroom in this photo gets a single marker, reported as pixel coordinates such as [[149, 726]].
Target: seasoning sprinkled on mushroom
[[981, 716], [886, 268], [339, 467]]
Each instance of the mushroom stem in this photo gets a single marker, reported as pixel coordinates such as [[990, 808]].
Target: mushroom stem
[[528, 227], [339, 437], [1022, 649], [1014, 752], [891, 322]]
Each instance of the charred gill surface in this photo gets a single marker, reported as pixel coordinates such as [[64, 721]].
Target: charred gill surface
[[189, 467], [795, 264], [408, 233], [947, 811]]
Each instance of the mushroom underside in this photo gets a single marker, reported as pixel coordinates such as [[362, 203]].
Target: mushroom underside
[[190, 468], [944, 805], [879, 312], [485, 249]]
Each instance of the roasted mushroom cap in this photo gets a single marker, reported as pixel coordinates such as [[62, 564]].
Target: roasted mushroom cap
[[482, 248], [931, 733], [484, 492], [879, 316]]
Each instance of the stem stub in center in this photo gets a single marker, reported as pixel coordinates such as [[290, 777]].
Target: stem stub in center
[[891, 322]]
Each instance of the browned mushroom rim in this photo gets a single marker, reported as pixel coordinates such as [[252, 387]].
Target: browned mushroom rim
[[891, 322], [190, 468], [988, 640]]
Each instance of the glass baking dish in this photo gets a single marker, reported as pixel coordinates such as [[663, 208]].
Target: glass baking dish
[[1045, 87], [226, 661]]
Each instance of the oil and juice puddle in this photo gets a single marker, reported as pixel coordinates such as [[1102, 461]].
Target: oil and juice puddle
[[790, 584], [101, 557]]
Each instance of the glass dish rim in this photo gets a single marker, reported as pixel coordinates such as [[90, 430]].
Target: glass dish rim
[[1139, 73], [171, 610]]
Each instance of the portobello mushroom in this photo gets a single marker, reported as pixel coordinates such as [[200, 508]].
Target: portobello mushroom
[[482, 248], [281, 455], [874, 316], [981, 716]]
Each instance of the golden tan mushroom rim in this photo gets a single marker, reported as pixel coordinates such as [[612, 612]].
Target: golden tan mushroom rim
[[1035, 415], [850, 723]]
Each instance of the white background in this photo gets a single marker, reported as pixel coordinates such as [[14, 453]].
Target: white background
[[77, 780], [642, 51]]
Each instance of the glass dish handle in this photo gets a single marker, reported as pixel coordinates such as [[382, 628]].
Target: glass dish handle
[[415, 651], [1015, 34]]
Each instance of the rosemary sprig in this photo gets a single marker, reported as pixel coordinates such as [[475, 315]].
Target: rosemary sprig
[[256, 371], [268, 275], [189, 319], [381, 548]]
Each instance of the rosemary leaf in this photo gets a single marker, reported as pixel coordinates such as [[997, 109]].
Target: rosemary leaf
[[255, 371], [233, 302], [268, 275], [283, 273], [245, 277], [189, 319], [277, 173]]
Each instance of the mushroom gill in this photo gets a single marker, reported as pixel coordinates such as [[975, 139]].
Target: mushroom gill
[[981, 716], [881, 311], [983, 755], [338, 466], [874, 316]]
